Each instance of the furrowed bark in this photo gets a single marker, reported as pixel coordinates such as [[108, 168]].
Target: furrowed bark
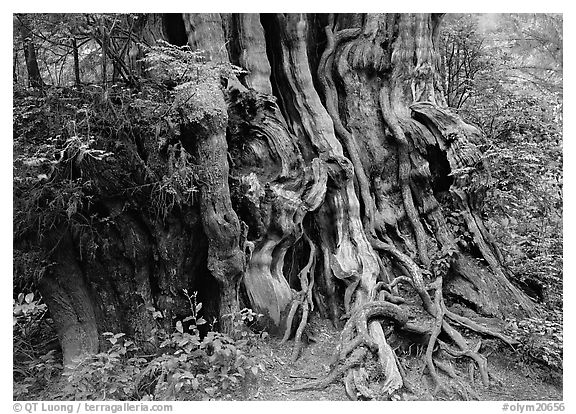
[[205, 33], [247, 49], [205, 120], [277, 190], [457, 139], [67, 296], [204, 125], [329, 89], [329, 176], [351, 257], [349, 254]]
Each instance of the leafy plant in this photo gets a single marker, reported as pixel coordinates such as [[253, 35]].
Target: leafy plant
[[33, 367], [187, 366], [515, 98], [26, 312], [540, 339], [37, 374], [178, 65], [190, 366], [107, 375]]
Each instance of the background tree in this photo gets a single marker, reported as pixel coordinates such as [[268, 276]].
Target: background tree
[[78, 41], [29, 48], [464, 57]]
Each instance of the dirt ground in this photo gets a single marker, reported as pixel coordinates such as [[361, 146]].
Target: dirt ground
[[511, 378]]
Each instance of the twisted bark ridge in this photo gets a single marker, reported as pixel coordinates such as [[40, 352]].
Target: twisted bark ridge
[[360, 95], [335, 180], [203, 134]]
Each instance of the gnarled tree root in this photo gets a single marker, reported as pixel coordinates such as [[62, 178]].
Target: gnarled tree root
[[362, 333], [302, 299], [355, 359], [363, 336]]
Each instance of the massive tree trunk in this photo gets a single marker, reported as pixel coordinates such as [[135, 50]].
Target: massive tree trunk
[[332, 177]]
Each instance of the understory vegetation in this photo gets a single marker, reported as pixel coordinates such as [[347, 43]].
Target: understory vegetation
[[103, 172]]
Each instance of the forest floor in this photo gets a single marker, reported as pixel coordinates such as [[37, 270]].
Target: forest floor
[[513, 378]]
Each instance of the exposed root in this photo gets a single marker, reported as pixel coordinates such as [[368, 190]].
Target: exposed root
[[360, 336], [361, 383], [387, 361], [298, 339], [406, 383], [471, 353], [404, 166], [471, 372], [434, 336], [302, 299], [363, 335], [350, 387], [353, 283], [398, 280], [447, 368], [330, 287], [382, 294], [358, 323], [354, 360], [474, 326], [293, 308], [414, 275], [463, 389]]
